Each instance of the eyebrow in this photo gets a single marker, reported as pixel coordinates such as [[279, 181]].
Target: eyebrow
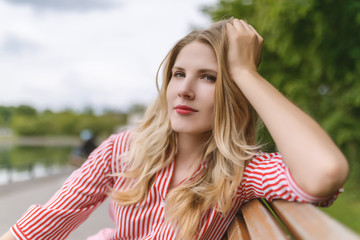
[[205, 70]]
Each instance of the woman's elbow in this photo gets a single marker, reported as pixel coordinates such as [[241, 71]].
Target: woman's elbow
[[339, 173], [330, 178]]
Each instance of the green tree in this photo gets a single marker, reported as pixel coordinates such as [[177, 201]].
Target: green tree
[[25, 110], [25, 120], [6, 115], [312, 55]]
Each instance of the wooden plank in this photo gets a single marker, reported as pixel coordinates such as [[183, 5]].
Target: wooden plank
[[237, 229], [305, 221], [260, 222]]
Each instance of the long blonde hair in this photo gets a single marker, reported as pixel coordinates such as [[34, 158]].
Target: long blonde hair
[[230, 146]]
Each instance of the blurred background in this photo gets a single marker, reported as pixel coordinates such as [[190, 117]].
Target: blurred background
[[74, 71]]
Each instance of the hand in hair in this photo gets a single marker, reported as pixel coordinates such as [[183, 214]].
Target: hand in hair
[[245, 45], [315, 162]]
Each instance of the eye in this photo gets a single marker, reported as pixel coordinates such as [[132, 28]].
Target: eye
[[208, 77], [179, 74]]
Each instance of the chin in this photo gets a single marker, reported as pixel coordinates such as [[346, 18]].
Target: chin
[[190, 127], [191, 130]]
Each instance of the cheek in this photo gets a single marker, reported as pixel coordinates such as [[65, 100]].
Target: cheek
[[212, 98], [209, 101], [212, 102]]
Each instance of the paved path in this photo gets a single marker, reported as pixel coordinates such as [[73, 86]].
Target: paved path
[[17, 197]]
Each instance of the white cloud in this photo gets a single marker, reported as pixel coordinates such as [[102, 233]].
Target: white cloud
[[66, 5], [104, 58]]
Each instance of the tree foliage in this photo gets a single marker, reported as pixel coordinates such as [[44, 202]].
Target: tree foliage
[[27, 121], [312, 55]]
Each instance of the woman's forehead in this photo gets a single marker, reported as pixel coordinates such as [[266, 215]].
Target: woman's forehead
[[196, 55]]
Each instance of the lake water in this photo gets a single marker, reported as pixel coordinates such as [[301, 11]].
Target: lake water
[[21, 163]]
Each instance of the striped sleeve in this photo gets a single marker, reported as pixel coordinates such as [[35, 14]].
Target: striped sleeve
[[267, 176], [82, 192]]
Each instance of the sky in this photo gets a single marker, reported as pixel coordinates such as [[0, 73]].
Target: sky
[[104, 54]]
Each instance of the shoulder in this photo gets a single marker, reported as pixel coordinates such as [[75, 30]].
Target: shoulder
[[264, 161], [111, 151], [115, 144], [120, 142], [264, 166]]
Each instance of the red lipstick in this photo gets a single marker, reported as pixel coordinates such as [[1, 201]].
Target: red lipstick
[[183, 109]]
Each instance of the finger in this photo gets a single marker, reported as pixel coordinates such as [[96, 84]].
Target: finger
[[254, 30], [238, 25], [261, 41], [257, 34], [229, 27], [246, 25], [242, 25]]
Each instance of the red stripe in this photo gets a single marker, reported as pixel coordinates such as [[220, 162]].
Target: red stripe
[[265, 176]]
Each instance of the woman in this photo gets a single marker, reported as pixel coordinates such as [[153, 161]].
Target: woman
[[185, 170]]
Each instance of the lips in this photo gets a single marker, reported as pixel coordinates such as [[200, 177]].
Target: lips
[[183, 109]]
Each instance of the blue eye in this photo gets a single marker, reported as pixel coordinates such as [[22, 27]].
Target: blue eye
[[209, 78], [179, 74]]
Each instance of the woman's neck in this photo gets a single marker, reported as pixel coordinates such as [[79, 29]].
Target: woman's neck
[[190, 150]]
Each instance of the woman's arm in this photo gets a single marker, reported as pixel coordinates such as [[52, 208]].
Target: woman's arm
[[79, 196], [315, 162], [7, 236]]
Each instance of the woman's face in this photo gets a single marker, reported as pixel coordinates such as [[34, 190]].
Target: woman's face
[[191, 90]]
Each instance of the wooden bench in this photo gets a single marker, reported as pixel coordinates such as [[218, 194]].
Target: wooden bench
[[259, 219]]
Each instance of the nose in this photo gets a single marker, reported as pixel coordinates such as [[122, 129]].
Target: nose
[[186, 89]]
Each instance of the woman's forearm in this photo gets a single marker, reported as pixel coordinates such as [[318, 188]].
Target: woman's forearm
[[315, 162], [7, 236]]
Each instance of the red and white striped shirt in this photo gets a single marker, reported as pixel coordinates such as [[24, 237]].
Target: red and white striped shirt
[[266, 176]]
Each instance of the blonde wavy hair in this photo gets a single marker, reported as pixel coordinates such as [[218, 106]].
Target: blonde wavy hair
[[229, 148]]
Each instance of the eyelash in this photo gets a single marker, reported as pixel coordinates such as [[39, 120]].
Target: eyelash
[[206, 76], [209, 78], [177, 74]]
